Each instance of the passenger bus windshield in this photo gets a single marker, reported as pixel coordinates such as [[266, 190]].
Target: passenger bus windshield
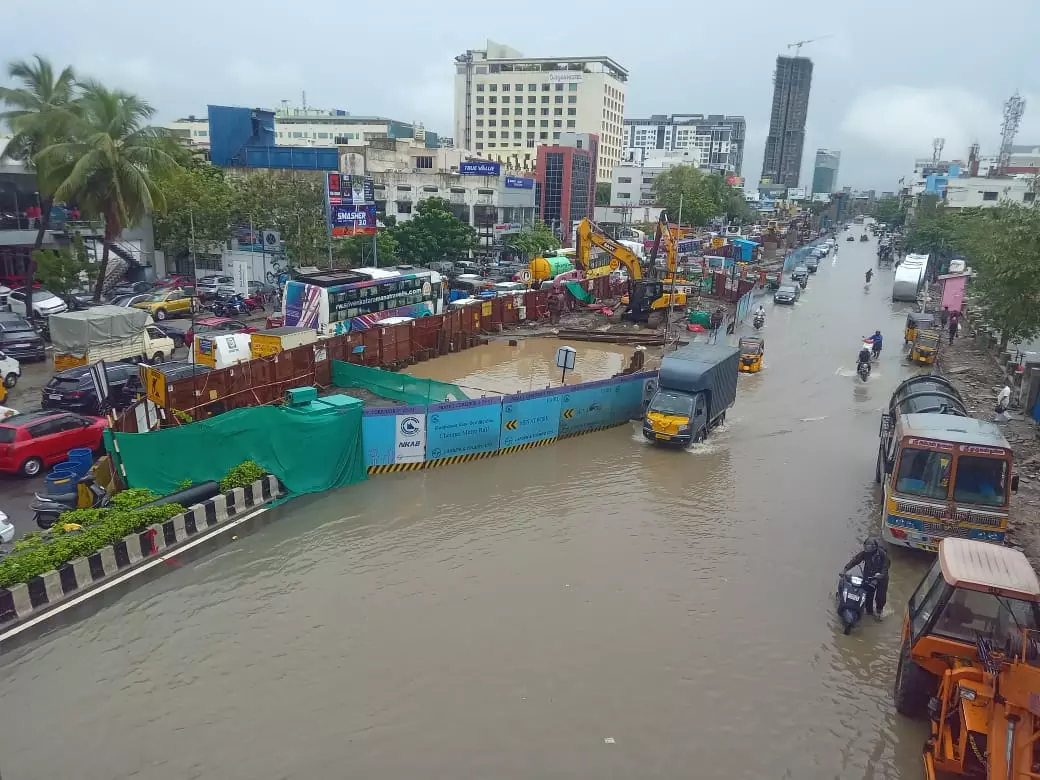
[[971, 612], [981, 480], [924, 473], [667, 402]]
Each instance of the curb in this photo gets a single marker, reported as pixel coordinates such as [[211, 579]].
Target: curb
[[41, 593]]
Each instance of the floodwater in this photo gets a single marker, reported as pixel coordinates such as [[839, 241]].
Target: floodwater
[[598, 609]]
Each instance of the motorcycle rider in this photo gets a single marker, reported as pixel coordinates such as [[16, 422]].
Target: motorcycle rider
[[870, 273], [875, 344], [760, 312], [875, 574], [864, 358]]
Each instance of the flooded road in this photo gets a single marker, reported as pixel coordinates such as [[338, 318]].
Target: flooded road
[[594, 609]]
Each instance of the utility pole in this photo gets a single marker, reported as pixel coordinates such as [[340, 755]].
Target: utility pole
[[671, 294]]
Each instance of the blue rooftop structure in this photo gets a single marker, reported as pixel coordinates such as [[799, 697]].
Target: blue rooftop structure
[[245, 138]]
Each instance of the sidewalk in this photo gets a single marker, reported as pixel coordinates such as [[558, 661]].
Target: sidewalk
[[978, 377]]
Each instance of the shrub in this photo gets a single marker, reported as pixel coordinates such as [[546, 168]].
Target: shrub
[[245, 473]]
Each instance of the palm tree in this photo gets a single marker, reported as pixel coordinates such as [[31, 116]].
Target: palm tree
[[107, 164], [37, 116]]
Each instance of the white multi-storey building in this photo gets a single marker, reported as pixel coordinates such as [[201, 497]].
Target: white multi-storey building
[[506, 104], [715, 140], [632, 185]]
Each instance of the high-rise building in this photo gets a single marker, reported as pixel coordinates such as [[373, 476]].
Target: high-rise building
[[566, 183], [507, 105], [825, 172], [715, 141], [782, 163]]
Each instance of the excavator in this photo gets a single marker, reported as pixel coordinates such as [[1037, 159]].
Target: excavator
[[970, 662], [648, 301]]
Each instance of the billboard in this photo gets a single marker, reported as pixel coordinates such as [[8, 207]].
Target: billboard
[[346, 190], [348, 220], [507, 228], [519, 183], [796, 193], [480, 168]]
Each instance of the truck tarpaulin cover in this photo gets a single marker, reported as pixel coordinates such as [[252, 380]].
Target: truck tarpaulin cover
[[75, 332], [309, 453]]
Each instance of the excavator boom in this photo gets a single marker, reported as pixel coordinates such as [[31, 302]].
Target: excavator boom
[[589, 235]]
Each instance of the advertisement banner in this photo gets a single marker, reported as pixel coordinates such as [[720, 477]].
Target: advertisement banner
[[507, 228], [519, 183], [350, 220], [382, 430], [530, 417], [302, 304], [463, 427], [480, 168], [348, 190], [240, 276], [588, 408], [333, 188], [247, 239]]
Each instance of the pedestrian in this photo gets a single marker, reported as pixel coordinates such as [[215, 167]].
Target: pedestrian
[[554, 303], [1003, 402], [944, 316], [953, 326]]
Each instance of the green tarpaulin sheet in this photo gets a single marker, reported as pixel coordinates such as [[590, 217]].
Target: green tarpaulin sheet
[[307, 452], [401, 387], [579, 292]]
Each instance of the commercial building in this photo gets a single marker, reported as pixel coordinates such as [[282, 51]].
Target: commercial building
[[715, 141], [506, 105], [314, 127], [632, 185], [825, 172], [782, 163], [566, 177], [985, 192]]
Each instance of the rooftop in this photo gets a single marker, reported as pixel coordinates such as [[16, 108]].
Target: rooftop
[[967, 563], [954, 428]]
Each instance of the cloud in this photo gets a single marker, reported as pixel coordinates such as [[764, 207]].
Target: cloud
[[901, 120]]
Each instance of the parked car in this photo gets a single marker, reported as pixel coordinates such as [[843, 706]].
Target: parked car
[[799, 273], [73, 390], [175, 332], [18, 339], [130, 300], [29, 442], [216, 326], [812, 264], [177, 280], [166, 302], [206, 287], [172, 371], [44, 303], [130, 288], [786, 293], [10, 370]]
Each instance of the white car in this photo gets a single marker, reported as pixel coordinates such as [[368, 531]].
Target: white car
[[6, 529], [44, 303], [10, 370]]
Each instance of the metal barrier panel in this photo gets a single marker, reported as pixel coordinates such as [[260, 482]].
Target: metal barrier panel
[[463, 429], [589, 407], [394, 436], [530, 418]]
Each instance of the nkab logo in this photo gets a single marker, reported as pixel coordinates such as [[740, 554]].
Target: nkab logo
[[410, 426]]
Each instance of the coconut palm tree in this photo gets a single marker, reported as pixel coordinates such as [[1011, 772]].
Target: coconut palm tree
[[37, 117], [108, 163]]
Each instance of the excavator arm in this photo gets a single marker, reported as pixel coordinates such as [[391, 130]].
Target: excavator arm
[[589, 235], [664, 235]]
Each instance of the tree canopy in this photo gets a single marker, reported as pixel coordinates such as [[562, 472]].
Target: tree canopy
[[889, 211], [533, 241], [433, 234], [198, 199], [703, 196], [64, 269]]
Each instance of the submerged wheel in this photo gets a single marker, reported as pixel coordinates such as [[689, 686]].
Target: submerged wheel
[[913, 686]]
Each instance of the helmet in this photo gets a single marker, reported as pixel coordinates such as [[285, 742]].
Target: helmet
[[870, 546], [877, 332]]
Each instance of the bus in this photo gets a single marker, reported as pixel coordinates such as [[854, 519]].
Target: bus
[[336, 302]]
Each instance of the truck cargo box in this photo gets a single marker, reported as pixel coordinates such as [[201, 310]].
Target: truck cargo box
[[703, 367]]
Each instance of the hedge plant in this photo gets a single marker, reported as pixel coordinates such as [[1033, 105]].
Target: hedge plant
[[34, 555], [245, 473]]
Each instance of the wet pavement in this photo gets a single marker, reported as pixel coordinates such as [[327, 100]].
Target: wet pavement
[[598, 608]]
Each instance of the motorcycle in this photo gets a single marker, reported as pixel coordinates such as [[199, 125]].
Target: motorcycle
[[863, 369], [851, 599], [758, 321], [252, 303], [47, 509]]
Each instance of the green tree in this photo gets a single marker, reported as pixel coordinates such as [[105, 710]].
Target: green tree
[[37, 117], [434, 233], [686, 185], [533, 241], [107, 165], [64, 269], [290, 202], [198, 197], [889, 211], [603, 193], [356, 251]]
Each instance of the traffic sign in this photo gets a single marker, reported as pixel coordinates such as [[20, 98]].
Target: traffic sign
[[155, 385]]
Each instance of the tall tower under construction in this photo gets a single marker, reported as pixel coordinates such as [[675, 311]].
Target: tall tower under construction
[[783, 158]]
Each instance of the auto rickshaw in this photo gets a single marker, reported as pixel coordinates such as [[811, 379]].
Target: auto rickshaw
[[915, 321], [924, 348], [752, 350], [773, 280]]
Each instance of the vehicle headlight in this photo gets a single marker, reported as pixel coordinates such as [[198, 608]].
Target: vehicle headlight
[[684, 428]]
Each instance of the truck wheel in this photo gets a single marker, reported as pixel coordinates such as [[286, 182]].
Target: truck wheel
[[913, 686], [160, 314], [31, 467], [10, 380], [157, 358]]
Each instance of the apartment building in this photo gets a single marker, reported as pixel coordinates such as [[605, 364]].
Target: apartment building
[[507, 105], [714, 142]]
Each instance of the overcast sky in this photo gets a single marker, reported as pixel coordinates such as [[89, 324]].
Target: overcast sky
[[892, 74]]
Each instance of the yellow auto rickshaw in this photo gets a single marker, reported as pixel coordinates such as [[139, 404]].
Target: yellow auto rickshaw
[[924, 347], [915, 321], [752, 350]]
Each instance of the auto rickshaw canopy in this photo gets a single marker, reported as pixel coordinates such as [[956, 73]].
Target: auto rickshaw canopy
[[920, 319], [752, 345]]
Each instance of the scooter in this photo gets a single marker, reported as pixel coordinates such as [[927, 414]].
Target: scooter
[[851, 599], [863, 369], [47, 510], [758, 321]]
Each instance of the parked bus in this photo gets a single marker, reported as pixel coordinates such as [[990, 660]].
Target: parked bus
[[909, 278], [336, 302], [943, 473]]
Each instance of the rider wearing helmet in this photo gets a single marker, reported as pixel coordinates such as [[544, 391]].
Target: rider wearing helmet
[[870, 273], [875, 572], [864, 356]]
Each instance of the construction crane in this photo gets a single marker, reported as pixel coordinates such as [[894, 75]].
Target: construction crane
[[797, 45]]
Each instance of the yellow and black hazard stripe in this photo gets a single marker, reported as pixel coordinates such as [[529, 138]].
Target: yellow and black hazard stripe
[[527, 446], [459, 459], [589, 430], [512, 425], [395, 467]]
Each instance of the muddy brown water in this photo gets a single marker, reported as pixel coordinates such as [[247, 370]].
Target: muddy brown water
[[594, 609]]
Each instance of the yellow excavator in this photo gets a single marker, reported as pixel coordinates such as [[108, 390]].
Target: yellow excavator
[[648, 301]]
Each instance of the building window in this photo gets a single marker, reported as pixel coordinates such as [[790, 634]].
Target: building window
[[505, 123], [491, 144], [545, 87], [557, 112], [480, 87], [505, 98], [572, 98], [557, 123], [572, 111], [989, 196], [530, 145], [624, 180], [1029, 197], [480, 123], [530, 135], [531, 112], [517, 136], [543, 123], [530, 123], [480, 133], [493, 99], [559, 87], [480, 146], [505, 87], [430, 188], [572, 87], [556, 136], [545, 112], [320, 135], [532, 87], [424, 162], [518, 112], [532, 99], [404, 207], [297, 135], [519, 87], [570, 123], [558, 99], [491, 134], [648, 180], [624, 195], [480, 112], [543, 136], [492, 111], [545, 98], [480, 98]]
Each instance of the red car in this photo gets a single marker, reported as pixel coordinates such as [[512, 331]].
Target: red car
[[29, 442], [216, 326], [176, 280]]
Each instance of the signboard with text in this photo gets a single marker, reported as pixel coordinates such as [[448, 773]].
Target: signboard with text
[[341, 189], [480, 168], [519, 183], [350, 220]]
